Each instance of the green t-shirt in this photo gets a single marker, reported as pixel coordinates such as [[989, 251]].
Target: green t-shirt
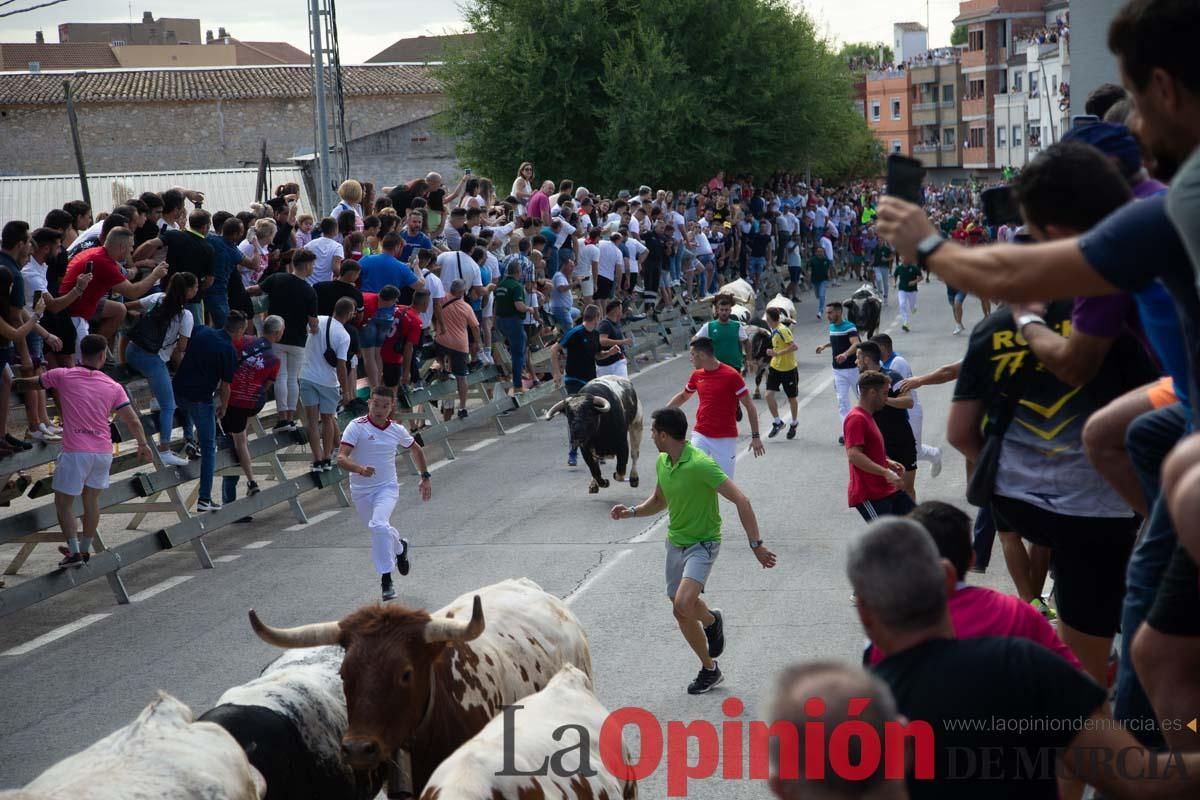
[[690, 488], [818, 268], [508, 292], [949, 224], [726, 341], [908, 277], [883, 255]]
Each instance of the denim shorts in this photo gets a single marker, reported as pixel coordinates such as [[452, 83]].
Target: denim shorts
[[325, 398], [37, 349], [374, 332], [954, 296], [757, 264]]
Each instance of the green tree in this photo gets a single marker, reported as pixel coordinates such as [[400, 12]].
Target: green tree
[[959, 36], [616, 91], [861, 56]]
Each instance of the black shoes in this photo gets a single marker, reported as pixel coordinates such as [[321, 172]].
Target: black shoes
[[17, 445], [252, 488], [841, 440], [706, 680], [715, 634], [791, 434], [402, 564], [776, 427], [385, 583]]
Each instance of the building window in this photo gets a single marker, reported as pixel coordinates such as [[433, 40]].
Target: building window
[[896, 146], [1016, 139], [975, 137], [1016, 81], [895, 108], [1001, 137], [975, 90], [948, 93], [875, 111], [975, 40], [948, 136], [1033, 84]]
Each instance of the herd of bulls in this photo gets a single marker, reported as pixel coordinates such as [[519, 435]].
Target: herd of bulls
[[388, 694]]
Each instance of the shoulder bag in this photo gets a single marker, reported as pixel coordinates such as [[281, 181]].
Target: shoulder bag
[[982, 485]]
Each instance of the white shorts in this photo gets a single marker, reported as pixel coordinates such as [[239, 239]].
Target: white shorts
[[723, 451], [73, 471], [617, 368], [585, 287], [82, 329]]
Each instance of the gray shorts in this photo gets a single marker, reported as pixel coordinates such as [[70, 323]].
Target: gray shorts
[[694, 561], [325, 398]]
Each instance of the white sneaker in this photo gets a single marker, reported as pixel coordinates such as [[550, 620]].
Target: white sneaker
[[42, 435], [958, 329], [172, 460], [52, 428], [936, 461]]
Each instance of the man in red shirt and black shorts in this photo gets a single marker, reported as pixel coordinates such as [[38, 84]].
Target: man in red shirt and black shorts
[[721, 388], [876, 483], [401, 349]]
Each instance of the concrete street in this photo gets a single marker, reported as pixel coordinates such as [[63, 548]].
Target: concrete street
[[509, 508]]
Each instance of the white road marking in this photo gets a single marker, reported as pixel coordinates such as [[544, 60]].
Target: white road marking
[[54, 635], [600, 573], [479, 445], [159, 588], [518, 428], [226, 559], [312, 520], [438, 465], [257, 545]]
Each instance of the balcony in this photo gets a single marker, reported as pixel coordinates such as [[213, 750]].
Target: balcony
[[926, 148], [974, 58], [975, 107]]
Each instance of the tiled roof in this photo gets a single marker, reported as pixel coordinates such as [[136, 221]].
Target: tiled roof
[[420, 49], [249, 53], [225, 83], [76, 55]]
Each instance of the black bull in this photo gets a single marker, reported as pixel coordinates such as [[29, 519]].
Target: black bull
[[605, 419], [864, 309]]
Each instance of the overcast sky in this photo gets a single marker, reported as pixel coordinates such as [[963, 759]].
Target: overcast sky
[[368, 26]]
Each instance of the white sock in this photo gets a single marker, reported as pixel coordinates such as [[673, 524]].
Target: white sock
[[85, 544], [73, 544], [778, 421]]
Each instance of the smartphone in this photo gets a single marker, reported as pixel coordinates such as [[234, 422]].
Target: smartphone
[[1000, 206], [904, 177], [1079, 120], [88, 268], [37, 295]]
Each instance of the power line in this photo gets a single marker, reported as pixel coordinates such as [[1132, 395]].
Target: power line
[[31, 8]]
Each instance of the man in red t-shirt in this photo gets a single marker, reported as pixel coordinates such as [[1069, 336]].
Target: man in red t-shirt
[[875, 482], [721, 388], [401, 350], [104, 265]]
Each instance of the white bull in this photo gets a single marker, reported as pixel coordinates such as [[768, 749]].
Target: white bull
[[475, 770], [786, 306], [161, 754]]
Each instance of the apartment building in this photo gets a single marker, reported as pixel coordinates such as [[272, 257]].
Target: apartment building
[[1035, 110], [936, 92], [887, 109]]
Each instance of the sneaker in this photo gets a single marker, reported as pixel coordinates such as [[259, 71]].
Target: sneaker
[[905, 328], [66, 551], [715, 634], [57, 430], [706, 680], [958, 329], [462, 413], [402, 564], [937, 462], [252, 488], [191, 449], [16, 444], [1046, 611], [791, 434], [172, 460], [389, 590], [207, 506], [841, 440], [327, 465], [316, 467], [52, 433], [820, 316], [73, 560], [572, 459], [43, 436], [776, 427]]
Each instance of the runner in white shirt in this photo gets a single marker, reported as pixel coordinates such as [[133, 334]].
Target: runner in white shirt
[[373, 441]]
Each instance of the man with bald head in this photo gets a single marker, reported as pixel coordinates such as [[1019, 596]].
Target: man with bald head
[[821, 692]]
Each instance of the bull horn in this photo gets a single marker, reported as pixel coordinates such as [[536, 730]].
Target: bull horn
[[452, 630], [315, 635], [555, 409], [601, 404]]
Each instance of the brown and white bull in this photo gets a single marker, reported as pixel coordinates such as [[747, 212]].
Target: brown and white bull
[[565, 716], [162, 753], [425, 684]]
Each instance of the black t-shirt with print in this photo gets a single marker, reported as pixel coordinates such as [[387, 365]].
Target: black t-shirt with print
[[187, 252], [294, 300], [893, 424]]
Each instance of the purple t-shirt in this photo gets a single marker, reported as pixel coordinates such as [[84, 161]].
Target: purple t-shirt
[[1148, 188], [1104, 316]]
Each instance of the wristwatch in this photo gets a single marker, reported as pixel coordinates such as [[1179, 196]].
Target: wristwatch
[[426, 476], [632, 510], [1028, 319], [927, 247], [756, 544]]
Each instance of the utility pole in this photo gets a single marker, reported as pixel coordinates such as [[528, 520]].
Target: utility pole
[[324, 195], [87, 195]]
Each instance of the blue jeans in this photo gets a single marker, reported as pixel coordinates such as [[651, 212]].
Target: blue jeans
[[1149, 438], [882, 281], [565, 317], [203, 415], [218, 309], [984, 537], [229, 484], [677, 262], [819, 289], [513, 329], [155, 372]]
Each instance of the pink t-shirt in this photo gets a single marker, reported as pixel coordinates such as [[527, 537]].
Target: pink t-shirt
[[977, 611], [87, 398], [538, 205]]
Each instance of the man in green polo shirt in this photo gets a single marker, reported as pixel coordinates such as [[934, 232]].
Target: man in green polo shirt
[[688, 484]]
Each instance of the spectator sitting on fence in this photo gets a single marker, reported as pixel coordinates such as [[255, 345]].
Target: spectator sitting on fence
[[256, 369], [87, 398], [204, 376]]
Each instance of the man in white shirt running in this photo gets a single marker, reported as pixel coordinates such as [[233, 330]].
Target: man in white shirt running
[[372, 441]]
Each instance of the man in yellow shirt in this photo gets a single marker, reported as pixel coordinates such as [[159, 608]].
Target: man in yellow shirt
[[782, 373]]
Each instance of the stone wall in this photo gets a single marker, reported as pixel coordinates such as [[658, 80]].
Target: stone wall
[[135, 137]]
